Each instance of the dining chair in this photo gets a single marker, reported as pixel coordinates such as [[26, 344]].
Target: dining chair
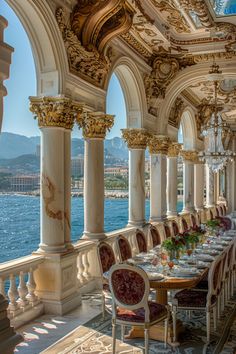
[[141, 241], [167, 230], [221, 210], [106, 259], [225, 209], [184, 224], [123, 247], [130, 305], [155, 236], [175, 227], [195, 299], [193, 220]]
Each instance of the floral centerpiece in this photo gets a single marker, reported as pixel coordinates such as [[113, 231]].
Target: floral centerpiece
[[173, 245], [213, 226]]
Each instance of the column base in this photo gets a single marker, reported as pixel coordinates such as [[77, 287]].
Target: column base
[[158, 219], [187, 211], [136, 223], [171, 214], [93, 236], [43, 248], [57, 283]]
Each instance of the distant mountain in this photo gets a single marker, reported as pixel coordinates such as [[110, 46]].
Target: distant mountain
[[14, 145], [23, 164]]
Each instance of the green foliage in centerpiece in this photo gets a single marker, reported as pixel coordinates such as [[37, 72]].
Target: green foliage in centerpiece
[[173, 243], [213, 223]]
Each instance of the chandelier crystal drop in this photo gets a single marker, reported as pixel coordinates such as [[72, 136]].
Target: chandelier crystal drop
[[214, 155]]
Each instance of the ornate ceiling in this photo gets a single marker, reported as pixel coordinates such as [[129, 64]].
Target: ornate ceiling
[[168, 35]]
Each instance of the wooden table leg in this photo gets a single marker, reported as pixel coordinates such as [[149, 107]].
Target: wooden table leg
[[161, 297]]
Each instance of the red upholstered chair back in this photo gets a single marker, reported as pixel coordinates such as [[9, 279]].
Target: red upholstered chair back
[[175, 228], [124, 248], [214, 278], [167, 231], [224, 208], [185, 224], [141, 241], [106, 255], [221, 210], [217, 211], [193, 219], [156, 239]]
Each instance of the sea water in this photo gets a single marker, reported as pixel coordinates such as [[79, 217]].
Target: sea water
[[20, 222]]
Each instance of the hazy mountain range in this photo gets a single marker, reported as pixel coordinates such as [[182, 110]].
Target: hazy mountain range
[[14, 145]]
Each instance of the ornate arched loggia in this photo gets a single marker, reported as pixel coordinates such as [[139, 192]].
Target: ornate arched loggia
[[47, 45], [183, 80], [189, 129], [134, 92]]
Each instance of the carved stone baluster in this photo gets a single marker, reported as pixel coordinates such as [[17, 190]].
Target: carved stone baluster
[[86, 266], [31, 285], [82, 278], [13, 294], [23, 291], [2, 287]]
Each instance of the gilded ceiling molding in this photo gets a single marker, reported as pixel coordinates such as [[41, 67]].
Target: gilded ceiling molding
[[158, 144], [201, 9], [174, 17], [174, 149], [56, 111], [189, 155], [136, 45], [135, 138], [95, 125], [176, 112], [95, 23], [90, 65]]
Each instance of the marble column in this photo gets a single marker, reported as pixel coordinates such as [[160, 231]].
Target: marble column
[[94, 126], [136, 140], [210, 195], [158, 148], [188, 180], [56, 277], [172, 179], [56, 117], [5, 59], [199, 185]]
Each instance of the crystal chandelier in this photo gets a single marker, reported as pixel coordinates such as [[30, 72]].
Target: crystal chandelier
[[214, 155]]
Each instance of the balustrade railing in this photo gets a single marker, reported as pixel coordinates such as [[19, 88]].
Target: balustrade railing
[[17, 285]]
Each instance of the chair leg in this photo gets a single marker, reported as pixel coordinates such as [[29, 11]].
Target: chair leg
[[166, 331], [174, 310], [103, 305], [208, 325], [146, 335], [232, 285], [219, 306], [215, 316], [122, 332], [113, 337]]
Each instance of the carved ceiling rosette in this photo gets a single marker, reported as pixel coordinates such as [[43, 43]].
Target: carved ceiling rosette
[[57, 111], [158, 144], [189, 155], [174, 149], [95, 125], [135, 138]]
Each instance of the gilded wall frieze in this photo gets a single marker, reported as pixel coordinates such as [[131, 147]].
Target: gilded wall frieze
[[95, 23], [136, 45], [201, 9], [189, 155], [135, 138], [174, 149], [87, 64], [158, 144], [174, 17], [55, 111], [176, 112], [95, 125]]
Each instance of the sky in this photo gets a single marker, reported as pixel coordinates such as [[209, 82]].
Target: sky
[[22, 83]]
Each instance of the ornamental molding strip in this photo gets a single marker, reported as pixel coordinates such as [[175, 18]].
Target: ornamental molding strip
[[201, 10], [95, 125], [174, 149], [57, 111], [176, 112], [158, 144], [135, 138]]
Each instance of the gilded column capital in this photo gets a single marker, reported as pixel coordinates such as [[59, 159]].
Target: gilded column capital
[[55, 111], [135, 138], [95, 124], [174, 149], [189, 155], [158, 144]]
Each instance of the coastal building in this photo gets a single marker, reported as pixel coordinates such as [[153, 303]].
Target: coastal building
[[77, 167], [24, 183], [116, 171], [176, 63]]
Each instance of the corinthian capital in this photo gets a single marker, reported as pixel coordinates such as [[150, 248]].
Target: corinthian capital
[[95, 125], [135, 138], [158, 144], [57, 111], [174, 149], [189, 155]]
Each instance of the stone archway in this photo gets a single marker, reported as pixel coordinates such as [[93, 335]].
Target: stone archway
[[189, 129]]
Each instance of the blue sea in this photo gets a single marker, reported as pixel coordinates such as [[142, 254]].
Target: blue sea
[[19, 222]]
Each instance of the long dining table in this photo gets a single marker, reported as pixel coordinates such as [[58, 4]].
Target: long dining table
[[162, 279]]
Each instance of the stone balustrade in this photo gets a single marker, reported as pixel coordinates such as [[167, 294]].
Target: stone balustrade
[[18, 286]]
